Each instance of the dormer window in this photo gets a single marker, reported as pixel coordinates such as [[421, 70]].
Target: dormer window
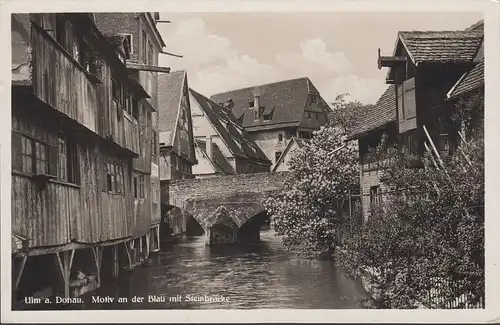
[[129, 41], [251, 104], [267, 117]]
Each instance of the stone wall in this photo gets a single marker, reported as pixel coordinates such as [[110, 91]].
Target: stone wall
[[241, 196]]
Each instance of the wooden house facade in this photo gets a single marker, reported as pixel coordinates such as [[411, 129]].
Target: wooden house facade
[[428, 73], [77, 119]]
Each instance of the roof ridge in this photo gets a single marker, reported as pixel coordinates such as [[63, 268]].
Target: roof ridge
[[260, 85]]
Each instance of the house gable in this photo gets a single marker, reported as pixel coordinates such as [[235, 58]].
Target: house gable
[[279, 104]]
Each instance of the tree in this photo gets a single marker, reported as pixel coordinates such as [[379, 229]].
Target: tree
[[428, 236], [321, 175]]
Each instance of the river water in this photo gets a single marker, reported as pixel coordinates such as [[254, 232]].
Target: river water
[[260, 275]]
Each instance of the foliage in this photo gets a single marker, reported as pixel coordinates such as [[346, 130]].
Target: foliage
[[430, 230], [322, 173]]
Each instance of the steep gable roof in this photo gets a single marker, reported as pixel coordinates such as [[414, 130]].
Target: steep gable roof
[[218, 162], [286, 99], [170, 91], [230, 132], [382, 113], [470, 81], [299, 143], [441, 46]]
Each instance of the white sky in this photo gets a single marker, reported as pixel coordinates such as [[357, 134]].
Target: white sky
[[337, 51]]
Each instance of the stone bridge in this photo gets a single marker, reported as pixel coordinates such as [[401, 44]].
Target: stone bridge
[[228, 208]]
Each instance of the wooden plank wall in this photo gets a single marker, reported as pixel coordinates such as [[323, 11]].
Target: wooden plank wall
[[62, 212], [59, 83]]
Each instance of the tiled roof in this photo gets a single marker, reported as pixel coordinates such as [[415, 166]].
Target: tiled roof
[[170, 88], [218, 161], [231, 133], [479, 26], [287, 100], [383, 112], [442, 46], [470, 81]]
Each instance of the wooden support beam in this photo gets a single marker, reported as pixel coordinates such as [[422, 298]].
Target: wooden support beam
[[128, 248], [148, 238], [115, 263], [18, 270], [64, 264], [157, 238], [97, 252], [147, 67]]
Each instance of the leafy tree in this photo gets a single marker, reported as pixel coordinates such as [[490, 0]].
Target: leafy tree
[[322, 174], [428, 236]]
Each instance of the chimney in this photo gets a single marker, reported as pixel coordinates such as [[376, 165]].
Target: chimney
[[208, 146], [256, 101], [229, 104]]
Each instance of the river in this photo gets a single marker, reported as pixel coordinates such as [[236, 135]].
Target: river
[[260, 275]]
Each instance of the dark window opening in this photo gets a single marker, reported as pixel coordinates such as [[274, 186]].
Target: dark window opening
[[114, 90], [277, 156], [115, 178], [375, 196], [267, 117], [135, 187], [68, 168], [309, 115], [316, 116], [250, 104], [280, 137], [61, 31], [34, 156], [135, 108]]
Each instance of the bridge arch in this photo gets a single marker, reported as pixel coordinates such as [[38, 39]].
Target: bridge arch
[[235, 201]]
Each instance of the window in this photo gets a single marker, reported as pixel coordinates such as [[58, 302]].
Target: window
[[142, 192], [314, 99], [309, 115], [154, 196], [153, 143], [61, 31], [267, 117], [280, 137], [143, 47], [150, 54], [136, 187], [35, 156], [129, 41], [250, 104], [126, 102], [114, 178], [277, 156], [375, 196], [135, 108], [114, 90], [316, 116], [67, 162]]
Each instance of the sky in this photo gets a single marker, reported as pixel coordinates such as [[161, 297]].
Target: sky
[[336, 50]]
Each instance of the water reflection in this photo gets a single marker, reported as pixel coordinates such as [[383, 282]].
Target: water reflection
[[261, 275]]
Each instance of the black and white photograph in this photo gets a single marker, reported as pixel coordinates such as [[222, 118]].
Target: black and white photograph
[[246, 159]]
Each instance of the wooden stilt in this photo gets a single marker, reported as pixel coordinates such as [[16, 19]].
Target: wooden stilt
[[157, 248], [141, 252], [148, 238], [128, 247], [115, 269], [97, 251], [18, 270], [64, 264]]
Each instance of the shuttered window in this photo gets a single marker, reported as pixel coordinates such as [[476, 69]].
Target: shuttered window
[[410, 107], [400, 102]]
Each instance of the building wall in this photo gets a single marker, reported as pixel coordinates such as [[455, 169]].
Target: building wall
[[269, 144], [283, 166]]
